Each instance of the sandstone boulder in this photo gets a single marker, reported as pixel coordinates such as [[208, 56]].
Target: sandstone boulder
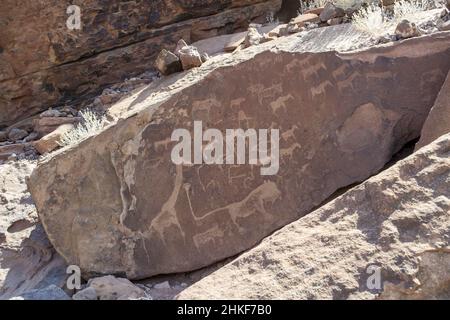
[[302, 19], [438, 121], [117, 204], [331, 11], [253, 37], [112, 288], [394, 225], [168, 63], [51, 141], [46, 125], [406, 29], [17, 134], [190, 57]]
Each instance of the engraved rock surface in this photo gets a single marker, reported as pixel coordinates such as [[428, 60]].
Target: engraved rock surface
[[116, 203], [395, 225]]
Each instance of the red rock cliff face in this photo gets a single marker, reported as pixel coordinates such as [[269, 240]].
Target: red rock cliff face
[[43, 63]]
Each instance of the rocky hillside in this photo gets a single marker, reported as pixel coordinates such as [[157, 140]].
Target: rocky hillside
[[210, 150], [43, 64]]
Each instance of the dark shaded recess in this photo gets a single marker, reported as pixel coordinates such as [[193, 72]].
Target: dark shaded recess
[[288, 10]]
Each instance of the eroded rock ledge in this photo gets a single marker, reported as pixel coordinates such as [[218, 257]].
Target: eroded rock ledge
[[397, 221], [43, 64], [116, 204]]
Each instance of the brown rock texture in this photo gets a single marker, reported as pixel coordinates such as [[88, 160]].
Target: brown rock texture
[[28, 261], [396, 222], [438, 121], [118, 39], [116, 203]]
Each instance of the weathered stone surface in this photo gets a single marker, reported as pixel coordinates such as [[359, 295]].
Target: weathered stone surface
[[16, 134], [445, 26], [168, 63], [52, 292], [88, 293], [112, 288], [397, 222], [317, 11], [27, 259], [302, 19], [253, 37], [10, 149], [119, 196], [118, 39], [3, 136], [331, 11], [45, 126], [50, 142], [190, 57], [406, 29], [438, 121]]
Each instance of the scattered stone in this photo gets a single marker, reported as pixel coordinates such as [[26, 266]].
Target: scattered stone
[[394, 224], [266, 38], [190, 57], [275, 32], [331, 11], [50, 142], [12, 150], [3, 136], [387, 3], [253, 36], [387, 38], [44, 126], [162, 285], [444, 26], [181, 44], [304, 19], [406, 29], [335, 21], [109, 96], [112, 288], [316, 11], [311, 25], [234, 41], [31, 137], [17, 134], [168, 63], [220, 44], [51, 292], [205, 57], [88, 293], [12, 157], [50, 113], [438, 120]]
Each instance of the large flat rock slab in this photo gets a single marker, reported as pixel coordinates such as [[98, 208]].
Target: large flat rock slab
[[393, 226], [117, 204]]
